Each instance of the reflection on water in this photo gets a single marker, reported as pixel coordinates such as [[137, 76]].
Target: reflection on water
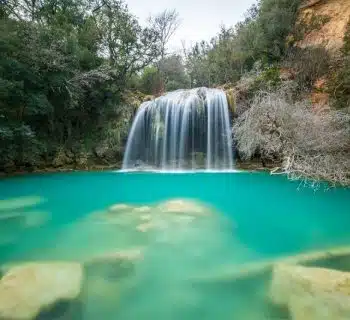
[[170, 258]]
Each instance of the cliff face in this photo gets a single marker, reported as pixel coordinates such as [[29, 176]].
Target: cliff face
[[330, 18]]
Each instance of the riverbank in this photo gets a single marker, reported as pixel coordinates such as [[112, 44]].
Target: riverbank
[[255, 165]]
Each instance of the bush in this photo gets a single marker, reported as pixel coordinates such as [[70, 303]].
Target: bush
[[340, 85], [308, 65], [234, 51], [150, 82], [311, 22], [289, 133]]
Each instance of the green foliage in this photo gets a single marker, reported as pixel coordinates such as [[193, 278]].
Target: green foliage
[[169, 75], [63, 69], [268, 79], [308, 64], [346, 47], [150, 82], [339, 87], [172, 70], [311, 23], [260, 37]]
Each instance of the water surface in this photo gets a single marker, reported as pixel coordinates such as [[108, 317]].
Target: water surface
[[255, 217]]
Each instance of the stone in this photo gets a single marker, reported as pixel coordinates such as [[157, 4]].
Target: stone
[[33, 290], [82, 159], [13, 223], [142, 209], [113, 265], [120, 207], [145, 217], [178, 206], [61, 159], [18, 203], [102, 150], [36, 218], [144, 227], [311, 293]]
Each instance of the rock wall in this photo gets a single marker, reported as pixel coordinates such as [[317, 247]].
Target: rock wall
[[331, 33]]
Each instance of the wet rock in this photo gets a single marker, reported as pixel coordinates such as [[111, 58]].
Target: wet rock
[[312, 293], [41, 291]]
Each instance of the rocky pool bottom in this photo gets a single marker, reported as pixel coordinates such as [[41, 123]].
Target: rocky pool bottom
[[123, 246]]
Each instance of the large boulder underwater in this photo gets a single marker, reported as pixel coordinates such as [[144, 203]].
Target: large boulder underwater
[[178, 241]]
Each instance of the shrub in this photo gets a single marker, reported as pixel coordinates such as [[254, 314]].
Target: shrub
[[308, 64], [304, 144], [311, 22], [340, 85]]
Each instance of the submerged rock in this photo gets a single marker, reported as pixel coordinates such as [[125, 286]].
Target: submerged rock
[[40, 290], [144, 227], [312, 293], [18, 203], [13, 223], [114, 265], [184, 206], [120, 207], [143, 209], [36, 218]]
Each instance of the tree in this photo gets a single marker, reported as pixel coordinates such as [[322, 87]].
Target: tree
[[197, 65], [165, 24], [129, 47], [174, 74], [57, 87], [150, 82], [234, 51]]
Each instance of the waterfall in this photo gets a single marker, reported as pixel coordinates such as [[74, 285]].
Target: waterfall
[[184, 129]]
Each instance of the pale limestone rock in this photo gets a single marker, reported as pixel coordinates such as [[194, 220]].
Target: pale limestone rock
[[312, 293], [18, 203], [27, 290], [113, 265], [183, 206], [144, 227], [129, 255], [143, 209], [323, 306], [13, 223], [120, 207], [146, 217]]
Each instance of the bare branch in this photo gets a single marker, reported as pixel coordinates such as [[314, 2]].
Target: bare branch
[[306, 144], [165, 24]]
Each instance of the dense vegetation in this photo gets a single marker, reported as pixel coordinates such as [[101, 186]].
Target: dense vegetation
[[74, 71], [66, 66]]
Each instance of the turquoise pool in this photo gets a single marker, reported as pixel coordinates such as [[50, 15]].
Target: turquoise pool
[[256, 217]]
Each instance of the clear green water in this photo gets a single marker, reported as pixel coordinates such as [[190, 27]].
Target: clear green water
[[257, 217]]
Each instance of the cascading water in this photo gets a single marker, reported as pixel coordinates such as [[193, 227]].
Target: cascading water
[[184, 129]]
